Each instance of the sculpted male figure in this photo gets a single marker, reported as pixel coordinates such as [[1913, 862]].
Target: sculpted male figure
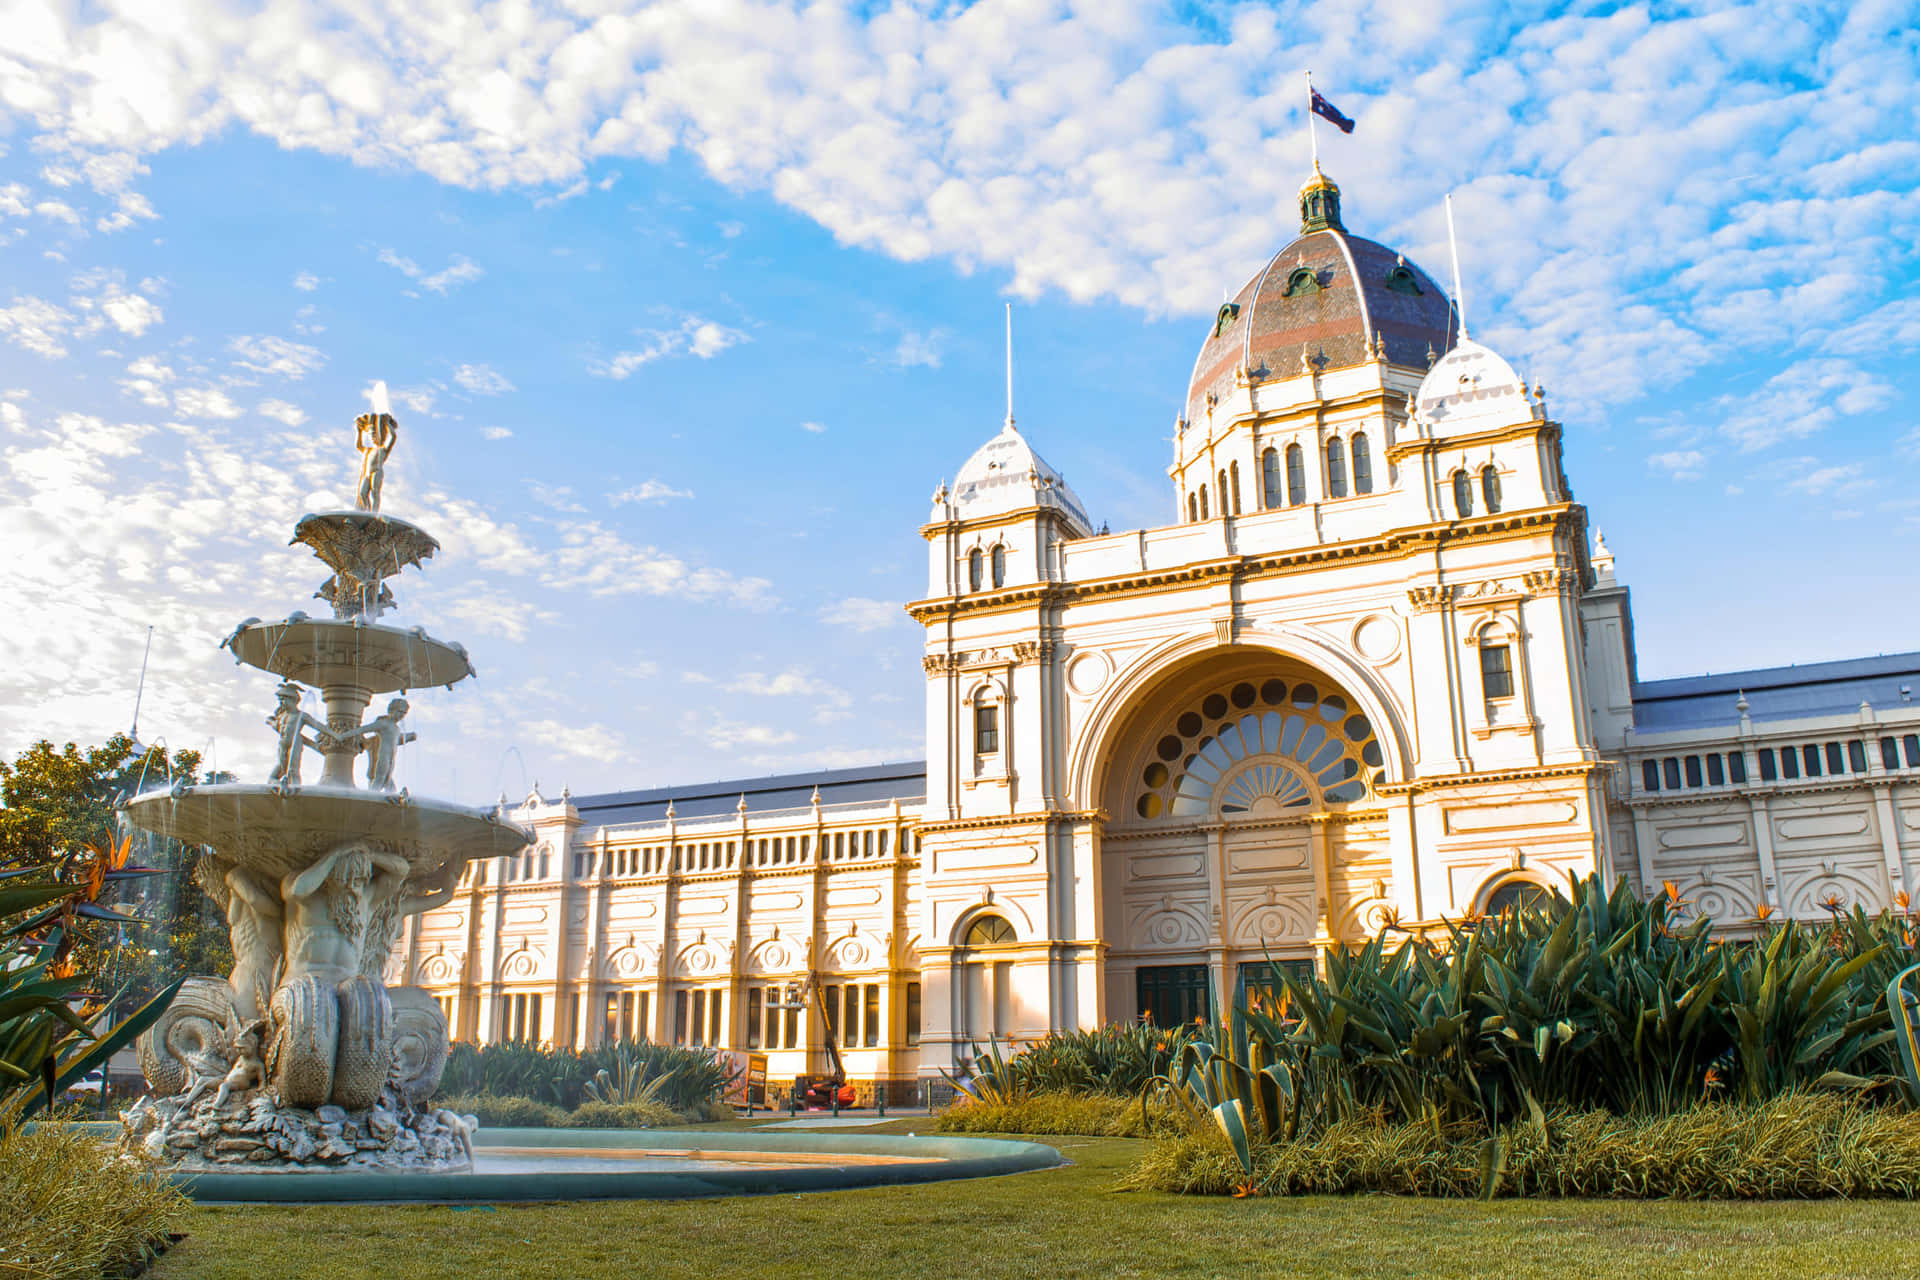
[[290, 721], [374, 435], [253, 924], [383, 737], [328, 906]]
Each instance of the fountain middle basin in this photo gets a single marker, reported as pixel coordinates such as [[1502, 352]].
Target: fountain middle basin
[[527, 1165]]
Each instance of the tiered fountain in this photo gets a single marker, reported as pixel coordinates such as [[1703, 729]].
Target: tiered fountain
[[302, 1058]]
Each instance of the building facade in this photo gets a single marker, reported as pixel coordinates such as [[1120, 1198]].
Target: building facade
[[1376, 670]]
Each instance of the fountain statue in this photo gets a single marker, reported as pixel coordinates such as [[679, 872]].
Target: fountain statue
[[303, 1058]]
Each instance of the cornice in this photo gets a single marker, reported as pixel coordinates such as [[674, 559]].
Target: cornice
[[1413, 786], [1409, 445], [1061, 817], [1397, 544]]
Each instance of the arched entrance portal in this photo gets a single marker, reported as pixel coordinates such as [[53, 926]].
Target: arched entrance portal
[[1246, 832]]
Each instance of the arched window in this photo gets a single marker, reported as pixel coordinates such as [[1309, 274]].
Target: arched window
[[1222, 491], [975, 569], [1234, 472], [1362, 465], [1462, 494], [1517, 896], [1203, 502], [1296, 476], [999, 565], [986, 981], [989, 931], [1193, 507], [1270, 479], [1490, 486], [1336, 468]]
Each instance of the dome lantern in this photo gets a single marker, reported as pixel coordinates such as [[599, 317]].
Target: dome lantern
[[1320, 204]]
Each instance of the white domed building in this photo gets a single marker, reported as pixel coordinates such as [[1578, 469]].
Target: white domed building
[[1378, 669]]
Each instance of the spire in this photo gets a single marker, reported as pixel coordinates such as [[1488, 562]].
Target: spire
[[1453, 248], [1010, 366]]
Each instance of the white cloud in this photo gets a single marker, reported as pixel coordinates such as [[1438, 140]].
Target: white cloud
[[1808, 476], [790, 683], [306, 282], [282, 411], [732, 230], [648, 491], [131, 313], [146, 381], [482, 380], [460, 270], [1680, 464], [59, 211], [726, 735], [496, 433], [277, 357], [917, 349], [205, 402], [13, 200], [815, 427], [1803, 398], [37, 325], [862, 614], [695, 336]]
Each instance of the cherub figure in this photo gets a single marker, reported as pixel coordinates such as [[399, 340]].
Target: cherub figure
[[383, 737], [374, 435], [248, 1070], [290, 720]]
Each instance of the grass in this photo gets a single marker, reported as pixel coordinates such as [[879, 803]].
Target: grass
[[1087, 1115], [70, 1211], [1060, 1224]]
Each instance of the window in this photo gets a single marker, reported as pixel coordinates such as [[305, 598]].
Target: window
[[1496, 670], [1490, 486], [988, 931], [1204, 513], [1336, 468], [1910, 745], [870, 1022], [1650, 774], [1834, 764], [754, 1015], [1693, 770], [1857, 756], [1193, 507], [986, 729], [830, 1001], [1716, 772], [999, 566], [1462, 494], [1222, 491], [1789, 763], [1737, 766], [1362, 464], [679, 1017], [851, 1023], [1889, 754], [1296, 476], [1233, 474], [913, 1013], [1171, 994], [573, 1027], [1670, 773], [975, 569], [1517, 896], [1767, 772], [1810, 759], [1270, 479]]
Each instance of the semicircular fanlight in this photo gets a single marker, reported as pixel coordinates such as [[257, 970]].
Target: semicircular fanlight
[[1313, 735]]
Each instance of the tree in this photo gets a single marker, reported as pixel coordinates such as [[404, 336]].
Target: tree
[[57, 805]]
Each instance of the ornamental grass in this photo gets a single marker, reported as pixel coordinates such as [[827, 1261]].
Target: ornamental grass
[[1088, 1115], [1795, 1146], [72, 1210], [496, 1112]]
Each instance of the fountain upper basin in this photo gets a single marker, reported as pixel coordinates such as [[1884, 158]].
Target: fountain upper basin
[[279, 833], [320, 652]]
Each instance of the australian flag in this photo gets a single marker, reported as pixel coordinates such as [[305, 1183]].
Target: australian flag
[[1327, 111]]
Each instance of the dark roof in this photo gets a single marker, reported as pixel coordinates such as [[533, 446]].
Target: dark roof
[[1776, 693], [870, 784], [1330, 321]]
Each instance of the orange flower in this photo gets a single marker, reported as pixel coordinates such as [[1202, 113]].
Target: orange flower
[[1245, 1190], [1714, 1079], [1833, 901], [1901, 900], [1764, 911]]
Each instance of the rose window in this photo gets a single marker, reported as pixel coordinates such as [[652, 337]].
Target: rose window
[[1258, 749]]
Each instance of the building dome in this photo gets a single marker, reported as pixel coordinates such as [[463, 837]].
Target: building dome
[[1471, 387], [1005, 474], [1330, 297]]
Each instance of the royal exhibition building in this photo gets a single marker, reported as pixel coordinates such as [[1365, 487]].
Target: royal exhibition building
[[1378, 671]]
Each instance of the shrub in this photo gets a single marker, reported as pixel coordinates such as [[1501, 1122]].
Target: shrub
[[1796, 1146], [624, 1115], [687, 1079], [1093, 1115], [75, 1210], [508, 1112]]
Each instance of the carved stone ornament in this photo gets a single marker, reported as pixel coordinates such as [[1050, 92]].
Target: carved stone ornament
[[1425, 599]]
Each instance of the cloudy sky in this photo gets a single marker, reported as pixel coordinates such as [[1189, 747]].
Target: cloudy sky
[[689, 307]]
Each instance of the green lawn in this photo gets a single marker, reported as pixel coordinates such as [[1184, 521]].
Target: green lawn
[[1054, 1225]]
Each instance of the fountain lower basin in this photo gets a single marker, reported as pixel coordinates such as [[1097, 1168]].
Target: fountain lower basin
[[529, 1165]]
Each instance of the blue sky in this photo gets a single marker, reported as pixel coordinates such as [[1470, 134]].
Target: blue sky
[[689, 310]]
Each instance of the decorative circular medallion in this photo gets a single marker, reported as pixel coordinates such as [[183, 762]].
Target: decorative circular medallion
[[1377, 638], [1088, 673]]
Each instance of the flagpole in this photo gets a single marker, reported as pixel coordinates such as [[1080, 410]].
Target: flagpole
[[1009, 364], [1313, 135], [1453, 248]]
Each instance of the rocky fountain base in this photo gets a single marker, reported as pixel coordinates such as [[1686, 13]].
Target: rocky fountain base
[[258, 1133]]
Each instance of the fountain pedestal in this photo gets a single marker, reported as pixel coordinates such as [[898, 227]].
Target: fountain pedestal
[[303, 1057]]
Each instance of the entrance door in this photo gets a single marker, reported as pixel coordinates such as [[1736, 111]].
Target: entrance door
[[1170, 994]]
